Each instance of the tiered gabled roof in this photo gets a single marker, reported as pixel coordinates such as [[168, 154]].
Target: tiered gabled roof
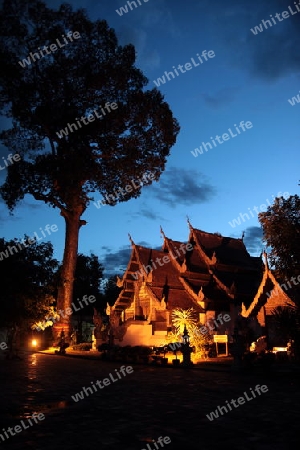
[[265, 295], [217, 270], [223, 252], [162, 282], [231, 266]]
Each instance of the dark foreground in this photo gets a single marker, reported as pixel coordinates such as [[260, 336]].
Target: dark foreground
[[144, 405]]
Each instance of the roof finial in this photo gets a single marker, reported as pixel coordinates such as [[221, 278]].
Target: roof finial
[[243, 235], [162, 232], [131, 241], [265, 255], [188, 221]]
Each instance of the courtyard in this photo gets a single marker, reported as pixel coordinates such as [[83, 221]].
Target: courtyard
[[146, 404]]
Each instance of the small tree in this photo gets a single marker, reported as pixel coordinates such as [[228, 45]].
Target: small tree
[[182, 318], [27, 282], [287, 322]]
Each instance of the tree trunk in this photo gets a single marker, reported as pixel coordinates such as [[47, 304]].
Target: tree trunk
[[65, 288]]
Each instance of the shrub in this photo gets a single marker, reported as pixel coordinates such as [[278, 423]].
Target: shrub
[[84, 346]]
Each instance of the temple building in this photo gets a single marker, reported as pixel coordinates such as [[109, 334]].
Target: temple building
[[210, 273]]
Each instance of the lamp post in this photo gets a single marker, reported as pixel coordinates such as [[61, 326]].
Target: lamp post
[[186, 349]]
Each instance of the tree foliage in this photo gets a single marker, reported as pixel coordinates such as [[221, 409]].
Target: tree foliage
[[186, 318], [111, 290], [27, 282], [61, 87], [281, 230], [88, 276]]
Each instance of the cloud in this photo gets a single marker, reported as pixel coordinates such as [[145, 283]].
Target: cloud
[[253, 240], [221, 98], [268, 55], [116, 261], [147, 213], [182, 187]]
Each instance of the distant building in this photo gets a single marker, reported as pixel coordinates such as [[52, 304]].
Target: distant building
[[210, 273]]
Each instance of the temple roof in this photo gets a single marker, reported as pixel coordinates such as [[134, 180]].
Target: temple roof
[[227, 250], [269, 294], [215, 269]]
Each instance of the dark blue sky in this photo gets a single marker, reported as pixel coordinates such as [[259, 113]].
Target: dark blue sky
[[250, 79]]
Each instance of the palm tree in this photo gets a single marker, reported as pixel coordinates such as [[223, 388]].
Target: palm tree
[[183, 318]]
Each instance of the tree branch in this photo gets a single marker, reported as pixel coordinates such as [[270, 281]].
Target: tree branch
[[47, 199]]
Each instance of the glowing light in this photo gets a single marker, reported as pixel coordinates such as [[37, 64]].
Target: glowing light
[[279, 349], [34, 342]]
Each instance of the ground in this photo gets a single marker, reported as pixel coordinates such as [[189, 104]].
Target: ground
[[144, 405]]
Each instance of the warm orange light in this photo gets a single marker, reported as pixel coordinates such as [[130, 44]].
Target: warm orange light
[[279, 349], [34, 342]]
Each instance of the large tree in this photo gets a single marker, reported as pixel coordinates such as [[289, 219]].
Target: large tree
[[281, 232], [58, 88]]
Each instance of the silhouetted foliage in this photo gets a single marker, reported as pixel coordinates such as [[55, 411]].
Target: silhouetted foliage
[[70, 83]]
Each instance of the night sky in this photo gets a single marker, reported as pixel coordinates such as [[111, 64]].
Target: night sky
[[248, 80]]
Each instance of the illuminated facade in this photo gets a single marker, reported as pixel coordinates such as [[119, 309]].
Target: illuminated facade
[[212, 274]]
